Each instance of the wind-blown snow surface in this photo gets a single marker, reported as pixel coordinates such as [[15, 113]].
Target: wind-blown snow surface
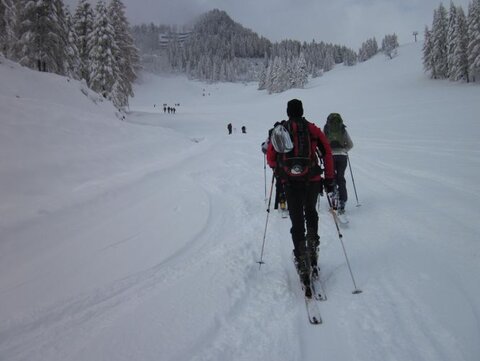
[[137, 239]]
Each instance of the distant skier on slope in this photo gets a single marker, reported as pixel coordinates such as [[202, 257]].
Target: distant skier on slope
[[341, 144], [292, 154]]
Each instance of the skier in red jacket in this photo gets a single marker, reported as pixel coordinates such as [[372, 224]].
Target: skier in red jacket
[[303, 183]]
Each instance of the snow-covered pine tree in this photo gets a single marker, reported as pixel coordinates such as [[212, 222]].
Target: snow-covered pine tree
[[329, 60], [281, 78], [439, 38], [262, 78], [338, 54], [117, 94], [300, 71], [103, 48], [275, 84], [474, 39], [451, 40], [349, 57], [428, 61], [284, 80], [460, 63], [208, 69], [373, 46], [368, 49], [315, 72], [216, 68], [390, 45], [127, 57], [7, 27], [40, 43], [231, 67], [288, 69], [69, 38], [291, 73], [83, 24], [200, 68], [268, 75], [222, 73], [315, 57]]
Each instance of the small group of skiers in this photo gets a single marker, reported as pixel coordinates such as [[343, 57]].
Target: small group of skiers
[[169, 109], [295, 150], [230, 128]]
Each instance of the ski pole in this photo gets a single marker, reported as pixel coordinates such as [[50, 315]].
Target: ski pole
[[320, 164], [266, 223], [353, 180], [340, 236]]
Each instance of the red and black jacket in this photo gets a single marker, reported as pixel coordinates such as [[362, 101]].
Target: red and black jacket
[[317, 140]]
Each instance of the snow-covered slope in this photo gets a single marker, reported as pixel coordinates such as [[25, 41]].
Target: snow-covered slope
[[137, 239]]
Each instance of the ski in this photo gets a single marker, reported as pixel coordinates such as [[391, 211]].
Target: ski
[[318, 289], [342, 218], [312, 311]]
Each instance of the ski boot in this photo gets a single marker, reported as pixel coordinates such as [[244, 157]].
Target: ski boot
[[334, 199], [302, 263], [313, 243], [283, 208]]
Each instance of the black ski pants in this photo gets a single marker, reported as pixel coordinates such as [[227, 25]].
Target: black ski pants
[[302, 202], [279, 192], [340, 164]]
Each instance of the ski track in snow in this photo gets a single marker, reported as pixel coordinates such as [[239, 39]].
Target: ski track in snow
[[262, 301], [428, 338], [51, 331], [65, 320]]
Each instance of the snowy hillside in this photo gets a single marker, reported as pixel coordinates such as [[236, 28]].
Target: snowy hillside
[[137, 239]]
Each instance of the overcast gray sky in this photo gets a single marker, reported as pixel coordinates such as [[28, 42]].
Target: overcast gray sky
[[345, 22]]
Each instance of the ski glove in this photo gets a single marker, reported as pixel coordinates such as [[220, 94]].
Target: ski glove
[[329, 185]]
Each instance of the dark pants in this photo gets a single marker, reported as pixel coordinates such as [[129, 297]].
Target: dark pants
[[302, 202], [340, 162], [279, 193]]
